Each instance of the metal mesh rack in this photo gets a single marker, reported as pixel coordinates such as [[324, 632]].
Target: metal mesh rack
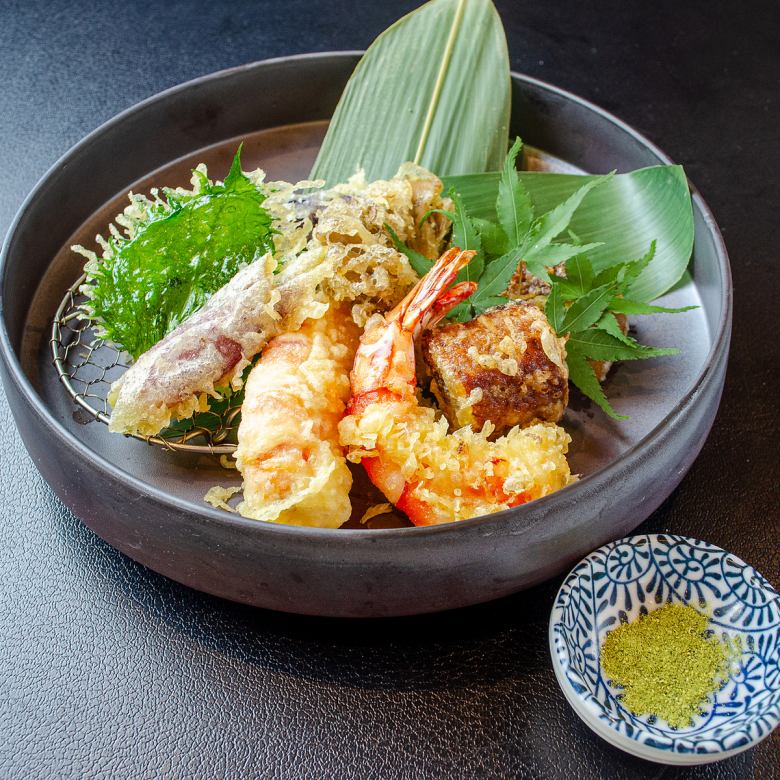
[[87, 365]]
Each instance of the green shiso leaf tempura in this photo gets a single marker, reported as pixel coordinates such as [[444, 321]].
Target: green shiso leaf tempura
[[174, 252]]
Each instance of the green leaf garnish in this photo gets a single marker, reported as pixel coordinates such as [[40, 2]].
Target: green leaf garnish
[[626, 306], [589, 323], [176, 254], [597, 344], [626, 213], [587, 310], [494, 281], [554, 254], [518, 236], [579, 274], [582, 303], [554, 308], [466, 236], [555, 221], [513, 206], [493, 239], [582, 376], [420, 263], [609, 324]]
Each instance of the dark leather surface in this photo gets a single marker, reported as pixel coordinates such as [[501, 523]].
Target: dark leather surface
[[109, 670]]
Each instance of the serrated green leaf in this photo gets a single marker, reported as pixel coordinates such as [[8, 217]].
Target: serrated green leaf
[[494, 281], [513, 205], [608, 275], [586, 310], [626, 213], [626, 306], [554, 308], [568, 291], [433, 88], [609, 323], [579, 272], [492, 237], [633, 269], [583, 377], [180, 254], [597, 344], [419, 263], [465, 236], [556, 253], [537, 268], [463, 312]]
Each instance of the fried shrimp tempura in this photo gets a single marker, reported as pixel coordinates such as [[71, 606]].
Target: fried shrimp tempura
[[433, 475], [288, 450], [294, 469]]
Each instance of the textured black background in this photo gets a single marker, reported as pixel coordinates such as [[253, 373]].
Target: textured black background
[[109, 670]]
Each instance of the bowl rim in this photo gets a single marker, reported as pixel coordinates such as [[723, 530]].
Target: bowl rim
[[720, 338], [589, 710]]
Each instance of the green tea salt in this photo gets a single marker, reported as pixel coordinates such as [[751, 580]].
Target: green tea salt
[[666, 664]]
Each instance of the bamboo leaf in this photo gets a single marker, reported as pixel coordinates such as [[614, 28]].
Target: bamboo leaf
[[626, 213], [433, 88]]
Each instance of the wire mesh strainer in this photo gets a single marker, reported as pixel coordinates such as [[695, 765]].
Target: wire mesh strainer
[[87, 365]]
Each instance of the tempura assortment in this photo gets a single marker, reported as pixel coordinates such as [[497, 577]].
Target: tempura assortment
[[426, 337], [321, 335]]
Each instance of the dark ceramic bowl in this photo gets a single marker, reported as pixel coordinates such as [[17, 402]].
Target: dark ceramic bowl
[[148, 502]]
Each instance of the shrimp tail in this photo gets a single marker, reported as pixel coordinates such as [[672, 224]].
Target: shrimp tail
[[447, 302], [386, 354], [419, 308]]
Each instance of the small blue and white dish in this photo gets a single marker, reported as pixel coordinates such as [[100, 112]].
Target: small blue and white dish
[[631, 576]]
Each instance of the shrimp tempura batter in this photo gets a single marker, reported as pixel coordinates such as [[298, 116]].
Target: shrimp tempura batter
[[288, 449], [433, 475]]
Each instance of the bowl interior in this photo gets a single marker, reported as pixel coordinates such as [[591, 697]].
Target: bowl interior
[[568, 136], [632, 576]]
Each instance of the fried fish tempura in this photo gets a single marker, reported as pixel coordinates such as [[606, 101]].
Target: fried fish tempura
[[506, 366], [338, 251], [288, 450], [209, 349]]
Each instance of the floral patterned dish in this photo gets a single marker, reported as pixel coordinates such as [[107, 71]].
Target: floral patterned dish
[[631, 576]]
